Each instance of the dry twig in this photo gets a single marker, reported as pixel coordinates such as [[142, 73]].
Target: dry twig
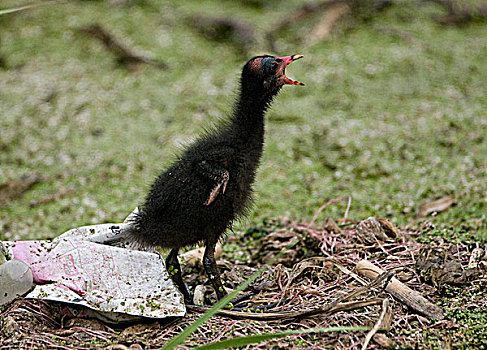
[[459, 13], [378, 324], [125, 57], [327, 310], [402, 292], [15, 188]]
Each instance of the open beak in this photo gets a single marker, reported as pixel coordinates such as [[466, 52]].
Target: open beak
[[287, 60]]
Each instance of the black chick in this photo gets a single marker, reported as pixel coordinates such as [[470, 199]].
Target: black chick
[[210, 185]]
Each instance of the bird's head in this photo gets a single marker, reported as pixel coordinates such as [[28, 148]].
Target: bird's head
[[266, 74]]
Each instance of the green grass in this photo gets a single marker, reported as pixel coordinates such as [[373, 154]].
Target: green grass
[[393, 113]]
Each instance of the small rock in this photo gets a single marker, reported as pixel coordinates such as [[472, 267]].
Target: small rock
[[199, 294]]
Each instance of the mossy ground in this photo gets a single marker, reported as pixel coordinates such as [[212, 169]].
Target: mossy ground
[[393, 113], [393, 117]]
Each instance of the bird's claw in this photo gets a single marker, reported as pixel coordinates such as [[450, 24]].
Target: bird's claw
[[225, 183], [216, 190], [261, 308], [213, 194]]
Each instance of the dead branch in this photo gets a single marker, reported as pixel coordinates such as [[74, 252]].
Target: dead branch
[[273, 316], [441, 204], [383, 278], [378, 324], [331, 12], [306, 11], [63, 192], [328, 21], [345, 306], [336, 306], [459, 15], [124, 56], [402, 292], [15, 188]]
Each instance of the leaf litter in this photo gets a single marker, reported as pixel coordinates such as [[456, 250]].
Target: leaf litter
[[317, 283]]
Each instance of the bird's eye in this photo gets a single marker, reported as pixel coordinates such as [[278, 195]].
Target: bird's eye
[[274, 66]]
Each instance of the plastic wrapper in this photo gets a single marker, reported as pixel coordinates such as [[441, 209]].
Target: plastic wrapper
[[117, 283]]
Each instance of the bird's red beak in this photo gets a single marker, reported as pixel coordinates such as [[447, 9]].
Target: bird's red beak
[[287, 60]]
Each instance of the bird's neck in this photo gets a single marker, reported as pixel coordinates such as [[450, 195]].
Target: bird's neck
[[248, 113]]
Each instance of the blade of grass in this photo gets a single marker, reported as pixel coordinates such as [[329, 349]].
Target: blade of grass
[[26, 7], [179, 339], [251, 339]]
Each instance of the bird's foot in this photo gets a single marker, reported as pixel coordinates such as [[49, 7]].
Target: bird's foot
[[261, 308], [240, 299], [243, 304]]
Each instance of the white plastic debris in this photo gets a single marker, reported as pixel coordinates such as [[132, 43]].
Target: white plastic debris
[[15, 280], [117, 282]]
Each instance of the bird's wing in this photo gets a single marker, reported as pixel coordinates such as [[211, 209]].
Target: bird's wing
[[217, 173]]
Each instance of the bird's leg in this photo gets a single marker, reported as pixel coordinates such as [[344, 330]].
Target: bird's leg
[[211, 270], [174, 270], [216, 173], [238, 303]]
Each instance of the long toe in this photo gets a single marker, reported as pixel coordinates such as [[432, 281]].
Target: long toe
[[240, 301], [245, 306]]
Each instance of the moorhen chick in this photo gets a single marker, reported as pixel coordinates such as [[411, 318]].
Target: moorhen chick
[[209, 186]]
